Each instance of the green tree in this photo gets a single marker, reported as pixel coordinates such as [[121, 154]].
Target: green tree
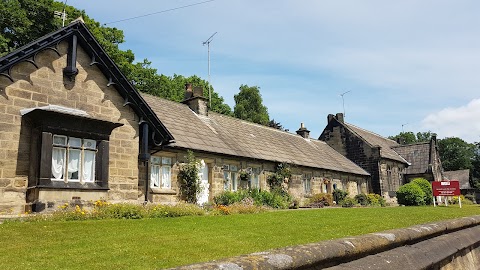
[[22, 21], [456, 154], [409, 137], [475, 171], [424, 136], [249, 105], [404, 137]]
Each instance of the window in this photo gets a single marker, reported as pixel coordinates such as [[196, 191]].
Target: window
[[230, 178], [161, 172], [254, 178], [389, 178], [73, 159], [307, 185]]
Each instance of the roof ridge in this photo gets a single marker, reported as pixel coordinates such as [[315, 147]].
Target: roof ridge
[[371, 132]]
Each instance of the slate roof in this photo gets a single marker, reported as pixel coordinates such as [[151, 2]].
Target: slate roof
[[417, 154], [374, 139], [217, 133], [462, 176]]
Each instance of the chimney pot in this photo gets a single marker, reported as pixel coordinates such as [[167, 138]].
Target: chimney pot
[[303, 131], [330, 117], [195, 100]]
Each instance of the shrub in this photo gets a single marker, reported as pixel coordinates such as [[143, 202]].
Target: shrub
[[274, 199], [178, 210], [376, 200], [362, 199], [339, 195], [464, 200], [123, 211], [426, 187], [189, 179], [349, 202], [411, 194], [320, 200]]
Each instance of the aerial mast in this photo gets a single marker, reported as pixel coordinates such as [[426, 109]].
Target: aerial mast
[[343, 101], [207, 42]]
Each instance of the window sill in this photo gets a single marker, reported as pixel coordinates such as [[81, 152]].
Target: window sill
[[71, 185], [162, 191]]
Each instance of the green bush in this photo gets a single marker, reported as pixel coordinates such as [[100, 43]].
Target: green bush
[[464, 200], [189, 179], [178, 210], [362, 199], [411, 194], [124, 211], [274, 199], [339, 195], [320, 200], [376, 200], [349, 202], [426, 187]]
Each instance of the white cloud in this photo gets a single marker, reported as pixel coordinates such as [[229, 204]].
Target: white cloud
[[460, 122]]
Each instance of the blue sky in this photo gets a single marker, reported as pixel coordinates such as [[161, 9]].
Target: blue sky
[[411, 63]]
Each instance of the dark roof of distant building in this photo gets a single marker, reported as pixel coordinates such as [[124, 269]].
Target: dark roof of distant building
[[463, 176], [374, 139], [417, 154]]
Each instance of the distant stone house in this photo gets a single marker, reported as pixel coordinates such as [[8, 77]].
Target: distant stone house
[[389, 163], [424, 160], [463, 176], [74, 130]]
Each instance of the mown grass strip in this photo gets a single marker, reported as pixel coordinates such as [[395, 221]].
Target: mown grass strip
[[167, 242]]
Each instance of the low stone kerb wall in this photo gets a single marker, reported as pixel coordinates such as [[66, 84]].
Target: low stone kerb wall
[[334, 253]]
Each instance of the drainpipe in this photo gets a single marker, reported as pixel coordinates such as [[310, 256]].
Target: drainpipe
[[145, 156]]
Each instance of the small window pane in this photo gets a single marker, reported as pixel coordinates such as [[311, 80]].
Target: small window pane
[[166, 181], [89, 166], [89, 144], [58, 163], [155, 176], [226, 178], [233, 168], [155, 160], [74, 142], [166, 160], [234, 182], [73, 164], [59, 140]]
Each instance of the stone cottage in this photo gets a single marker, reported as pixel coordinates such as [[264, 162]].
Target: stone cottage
[[74, 130], [424, 160], [389, 163]]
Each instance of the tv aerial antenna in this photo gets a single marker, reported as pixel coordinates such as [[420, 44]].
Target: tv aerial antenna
[[343, 101], [207, 42]]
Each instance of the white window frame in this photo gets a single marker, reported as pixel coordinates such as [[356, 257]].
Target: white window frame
[[86, 146], [230, 178], [158, 166], [307, 183]]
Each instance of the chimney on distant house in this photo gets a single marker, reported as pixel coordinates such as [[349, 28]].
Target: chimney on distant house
[[339, 117], [303, 131], [195, 99]]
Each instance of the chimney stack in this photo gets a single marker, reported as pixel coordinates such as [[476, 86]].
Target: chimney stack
[[303, 131], [195, 99], [340, 117]]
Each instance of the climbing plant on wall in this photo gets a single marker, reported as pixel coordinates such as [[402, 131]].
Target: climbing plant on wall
[[189, 179]]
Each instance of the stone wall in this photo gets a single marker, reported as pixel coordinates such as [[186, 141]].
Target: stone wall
[[354, 148], [89, 92], [451, 244], [320, 179]]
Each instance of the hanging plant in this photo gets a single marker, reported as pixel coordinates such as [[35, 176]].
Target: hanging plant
[[244, 175]]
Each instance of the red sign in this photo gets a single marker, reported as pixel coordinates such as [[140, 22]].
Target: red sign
[[446, 188]]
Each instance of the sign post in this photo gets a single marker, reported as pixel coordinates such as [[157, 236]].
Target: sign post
[[447, 189]]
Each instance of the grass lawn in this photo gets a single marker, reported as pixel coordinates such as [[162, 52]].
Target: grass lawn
[[169, 242]]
